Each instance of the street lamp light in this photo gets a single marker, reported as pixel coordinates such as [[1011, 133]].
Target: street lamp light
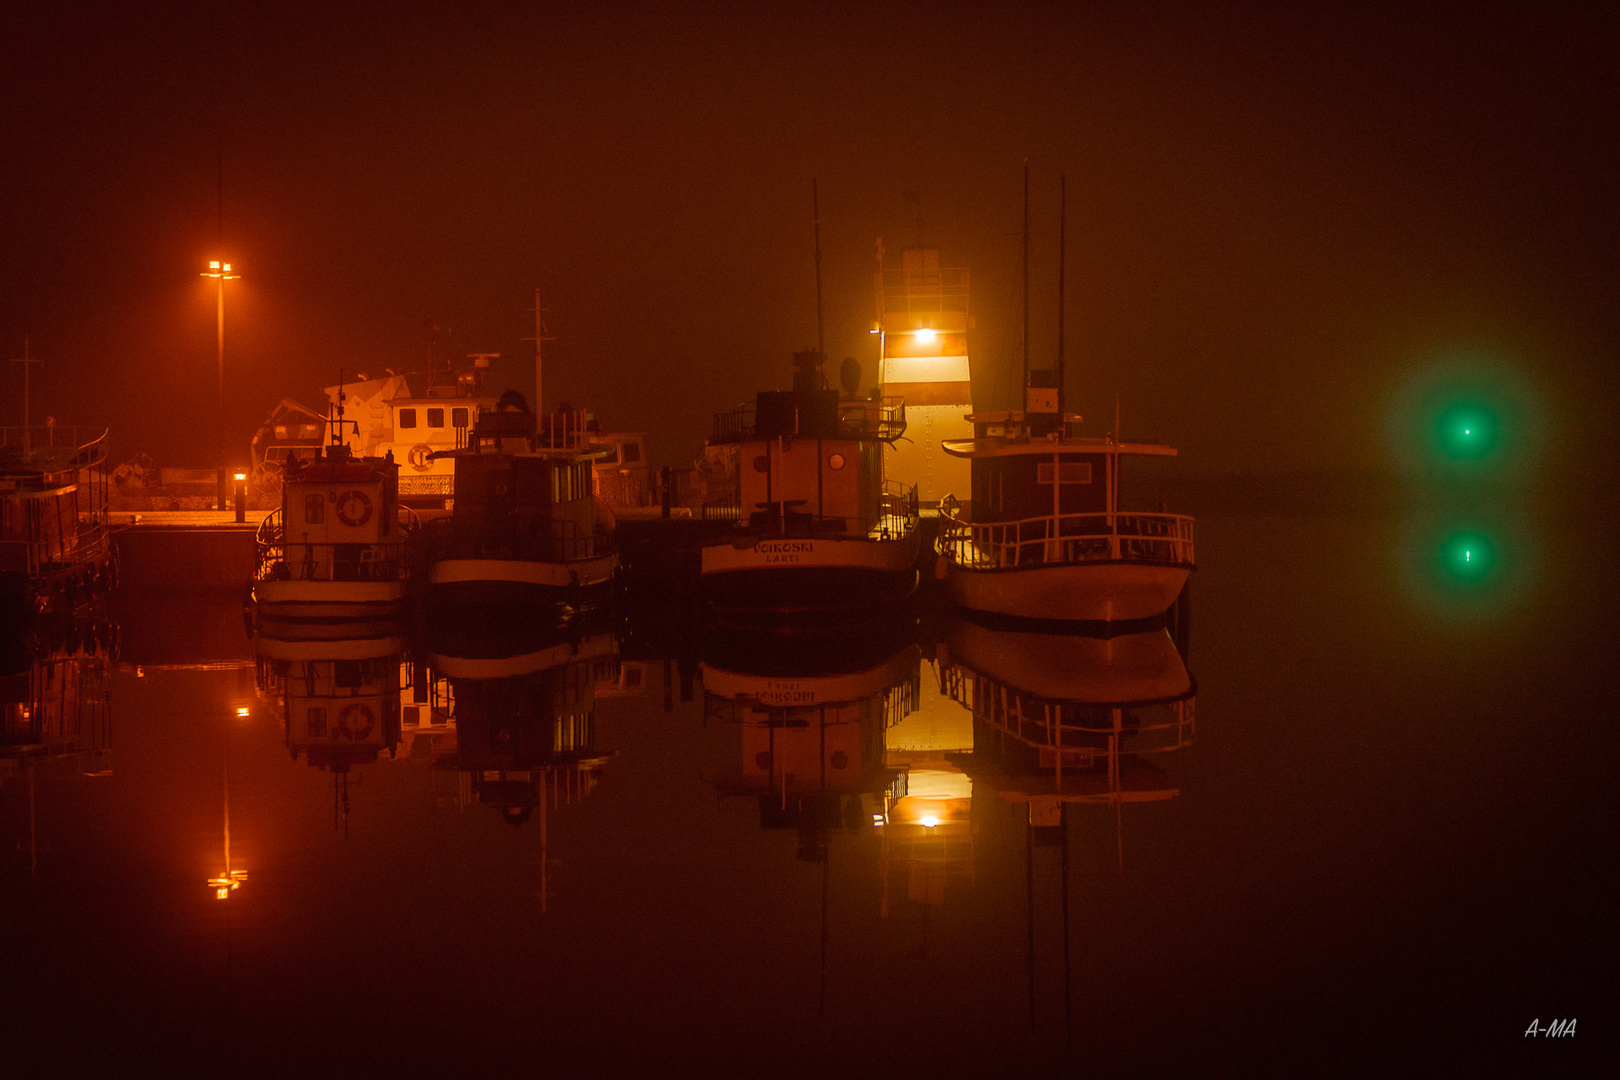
[[221, 272]]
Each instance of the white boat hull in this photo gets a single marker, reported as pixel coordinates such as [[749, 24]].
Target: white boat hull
[[489, 578], [293, 599], [803, 573], [1101, 591]]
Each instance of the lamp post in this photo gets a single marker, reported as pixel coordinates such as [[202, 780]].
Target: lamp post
[[222, 273]]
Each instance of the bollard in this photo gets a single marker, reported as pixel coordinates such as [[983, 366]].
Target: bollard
[[664, 486], [241, 498]]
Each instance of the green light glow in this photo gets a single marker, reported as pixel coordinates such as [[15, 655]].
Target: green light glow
[[1466, 430], [1468, 557]]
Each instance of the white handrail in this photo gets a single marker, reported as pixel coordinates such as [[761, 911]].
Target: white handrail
[[1064, 538]]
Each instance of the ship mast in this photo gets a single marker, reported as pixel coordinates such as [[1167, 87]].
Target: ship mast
[[1025, 383], [539, 337], [1063, 221], [815, 211]]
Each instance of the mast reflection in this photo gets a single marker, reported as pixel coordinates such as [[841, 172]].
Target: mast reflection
[[524, 709], [1062, 719]]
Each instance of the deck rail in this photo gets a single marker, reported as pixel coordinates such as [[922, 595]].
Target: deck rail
[[1057, 539], [884, 419], [35, 457], [375, 561]]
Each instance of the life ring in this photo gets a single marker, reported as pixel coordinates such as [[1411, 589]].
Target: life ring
[[418, 457], [354, 722], [354, 507]]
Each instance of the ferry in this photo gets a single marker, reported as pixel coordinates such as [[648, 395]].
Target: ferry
[[525, 525], [1041, 535], [55, 549], [335, 548], [819, 529]]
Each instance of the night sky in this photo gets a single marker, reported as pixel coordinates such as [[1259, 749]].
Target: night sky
[[1278, 218]]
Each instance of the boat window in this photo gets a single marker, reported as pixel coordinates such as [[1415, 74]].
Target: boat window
[[435, 418], [407, 418], [632, 452], [762, 464], [309, 431], [314, 509], [1069, 472], [281, 431], [458, 418], [835, 462], [612, 457]]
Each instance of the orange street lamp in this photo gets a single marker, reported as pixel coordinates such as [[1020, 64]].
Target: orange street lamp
[[221, 272]]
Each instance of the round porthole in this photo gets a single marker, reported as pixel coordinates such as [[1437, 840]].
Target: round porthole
[[836, 461], [762, 464]]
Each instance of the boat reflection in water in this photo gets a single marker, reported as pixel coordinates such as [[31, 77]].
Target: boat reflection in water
[[1061, 720], [1064, 718], [523, 706], [339, 685], [54, 706], [807, 712]]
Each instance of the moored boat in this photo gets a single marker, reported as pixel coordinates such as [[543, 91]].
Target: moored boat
[[1043, 536], [525, 526], [54, 544], [335, 548], [818, 527]]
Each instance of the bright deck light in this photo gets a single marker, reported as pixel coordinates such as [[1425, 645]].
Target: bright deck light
[[925, 334], [929, 822]]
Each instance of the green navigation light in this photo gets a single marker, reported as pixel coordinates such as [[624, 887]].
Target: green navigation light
[[1468, 557], [1465, 431]]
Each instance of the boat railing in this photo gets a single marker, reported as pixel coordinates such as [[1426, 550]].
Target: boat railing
[[893, 518], [275, 559], [37, 458], [859, 418], [1064, 539], [1143, 727], [897, 511]]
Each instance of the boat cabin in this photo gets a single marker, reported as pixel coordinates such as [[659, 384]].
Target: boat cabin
[[524, 490], [340, 518], [809, 461]]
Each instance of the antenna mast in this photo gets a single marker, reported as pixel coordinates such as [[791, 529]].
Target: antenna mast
[[1063, 248], [1025, 404], [539, 336], [26, 359], [815, 210]]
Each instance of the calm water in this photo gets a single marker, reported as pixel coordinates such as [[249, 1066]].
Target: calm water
[[1385, 847]]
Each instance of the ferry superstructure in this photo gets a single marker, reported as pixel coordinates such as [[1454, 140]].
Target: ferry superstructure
[[1043, 537], [819, 528], [525, 525]]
